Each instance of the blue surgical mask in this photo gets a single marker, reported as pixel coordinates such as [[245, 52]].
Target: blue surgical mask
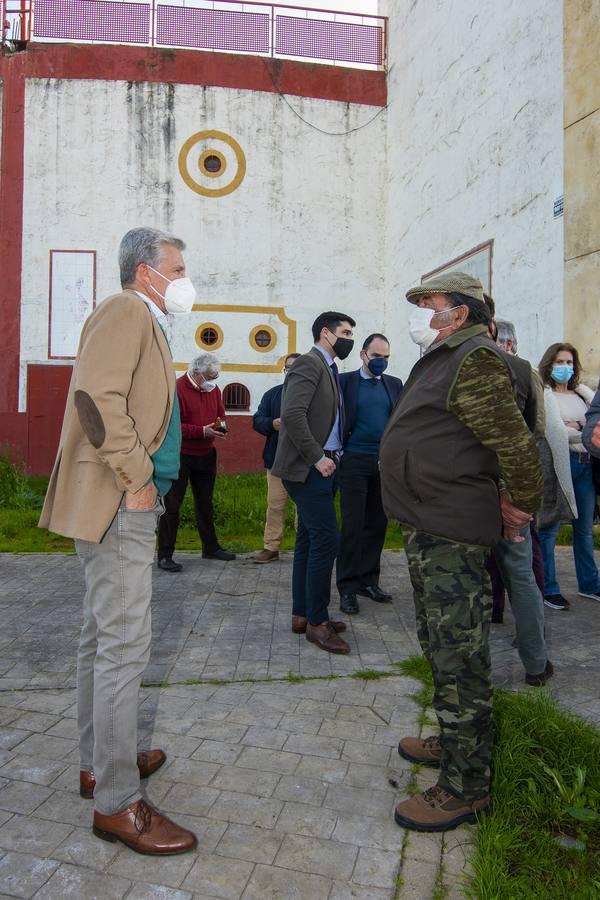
[[377, 366], [562, 373]]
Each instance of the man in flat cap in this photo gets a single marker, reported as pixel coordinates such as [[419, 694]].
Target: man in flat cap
[[459, 468]]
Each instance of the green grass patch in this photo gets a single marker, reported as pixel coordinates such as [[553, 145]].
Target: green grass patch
[[16, 491], [240, 503], [545, 789], [372, 674], [546, 785], [19, 534], [419, 668], [416, 667]]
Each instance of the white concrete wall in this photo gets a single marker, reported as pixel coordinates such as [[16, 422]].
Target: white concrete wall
[[469, 149], [304, 231], [475, 152]]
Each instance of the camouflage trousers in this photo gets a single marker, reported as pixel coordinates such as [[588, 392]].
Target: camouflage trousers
[[453, 604]]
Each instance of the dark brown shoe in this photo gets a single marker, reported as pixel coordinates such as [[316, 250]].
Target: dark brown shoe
[[299, 624], [541, 679], [144, 829], [148, 762], [265, 556], [326, 637], [438, 810]]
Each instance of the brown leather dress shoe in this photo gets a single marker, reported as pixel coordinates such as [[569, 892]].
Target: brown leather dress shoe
[[148, 762], [326, 637], [299, 625], [145, 830]]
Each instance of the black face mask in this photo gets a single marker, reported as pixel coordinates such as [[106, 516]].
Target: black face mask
[[342, 347]]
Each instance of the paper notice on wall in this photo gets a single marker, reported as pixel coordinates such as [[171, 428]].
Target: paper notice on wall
[[72, 298], [477, 262]]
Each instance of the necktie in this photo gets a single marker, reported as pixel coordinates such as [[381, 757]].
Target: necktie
[[336, 378]]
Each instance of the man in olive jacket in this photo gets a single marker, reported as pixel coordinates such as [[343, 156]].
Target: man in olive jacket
[[118, 455], [455, 438]]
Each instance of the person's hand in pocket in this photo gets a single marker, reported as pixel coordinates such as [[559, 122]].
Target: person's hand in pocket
[[143, 499]]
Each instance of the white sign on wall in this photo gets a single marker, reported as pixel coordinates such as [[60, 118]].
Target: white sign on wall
[[476, 262], [72, 298]]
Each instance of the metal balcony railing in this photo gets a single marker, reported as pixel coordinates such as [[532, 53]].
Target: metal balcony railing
[[229, 26]]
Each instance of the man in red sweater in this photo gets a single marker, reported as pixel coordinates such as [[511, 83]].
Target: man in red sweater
[[200, 405]]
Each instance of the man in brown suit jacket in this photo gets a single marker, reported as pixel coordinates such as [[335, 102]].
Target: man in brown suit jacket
[[308, 452], [118, 455]]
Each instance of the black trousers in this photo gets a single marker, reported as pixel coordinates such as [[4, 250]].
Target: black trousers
[[201, 472], [363, 523]]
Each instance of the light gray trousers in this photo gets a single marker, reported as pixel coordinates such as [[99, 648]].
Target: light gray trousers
[[114, 648], [527, 603]]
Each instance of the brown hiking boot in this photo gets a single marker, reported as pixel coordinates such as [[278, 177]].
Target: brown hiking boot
[[437, 810], [426, 752], [299, 625], [265, 556], [326, 637]]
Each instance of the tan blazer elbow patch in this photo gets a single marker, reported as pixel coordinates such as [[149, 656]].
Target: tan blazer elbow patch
[[90, 418]]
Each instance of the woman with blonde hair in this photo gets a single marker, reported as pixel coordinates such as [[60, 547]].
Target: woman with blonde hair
[[569, 492]]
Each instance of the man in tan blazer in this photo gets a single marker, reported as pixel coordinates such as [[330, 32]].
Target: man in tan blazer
[[308, 453], [118, 455]]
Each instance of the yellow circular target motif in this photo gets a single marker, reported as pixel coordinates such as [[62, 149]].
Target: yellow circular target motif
[[209, 155]]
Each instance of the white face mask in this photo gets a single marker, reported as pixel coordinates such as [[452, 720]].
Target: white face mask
[[207, 386], [180, 295], [419, 326]]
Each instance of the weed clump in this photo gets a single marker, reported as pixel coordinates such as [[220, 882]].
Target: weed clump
[[15, 492]]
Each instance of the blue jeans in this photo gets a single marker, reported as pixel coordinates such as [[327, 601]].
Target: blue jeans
[[317, 540], [583, 541]]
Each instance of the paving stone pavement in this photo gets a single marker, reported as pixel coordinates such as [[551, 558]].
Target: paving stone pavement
[[289, 785]]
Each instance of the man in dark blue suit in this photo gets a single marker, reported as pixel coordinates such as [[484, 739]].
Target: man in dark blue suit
[[369, 397], [266, 420]]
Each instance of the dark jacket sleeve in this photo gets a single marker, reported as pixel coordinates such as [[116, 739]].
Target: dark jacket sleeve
[[592, 417], [262, 420], [393, 386], [349, 386]]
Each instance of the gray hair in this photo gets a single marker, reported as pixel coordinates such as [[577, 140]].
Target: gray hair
[[143, 245], [506, 332], [201, 364]]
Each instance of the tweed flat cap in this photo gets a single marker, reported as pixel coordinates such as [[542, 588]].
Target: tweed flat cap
[[449, 283]]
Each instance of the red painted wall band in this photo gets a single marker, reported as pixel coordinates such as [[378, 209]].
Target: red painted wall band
[[254, 73], [11, 227]]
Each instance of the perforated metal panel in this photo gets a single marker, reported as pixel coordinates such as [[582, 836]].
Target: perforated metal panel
[[93, 20]]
